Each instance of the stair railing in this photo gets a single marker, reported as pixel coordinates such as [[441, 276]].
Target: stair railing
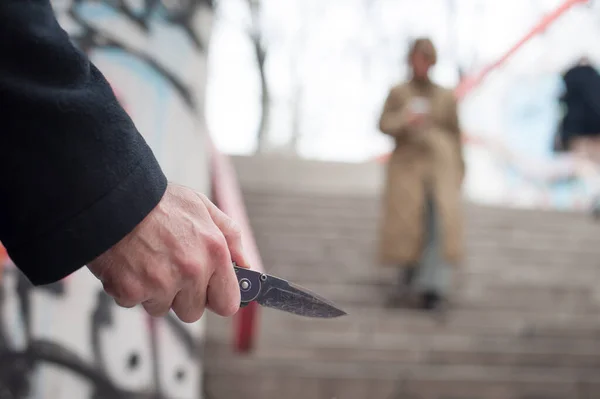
[[227, 196], [470, 83]]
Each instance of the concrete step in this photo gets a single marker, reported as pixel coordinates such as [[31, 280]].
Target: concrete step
[[562, 238], [282, 235], [403, 337], [285, 239], [351, 219], [372, 324], [410, 351], [490, 295], [265, 378], [368, 230], [367, 255], [368, 205], [312, 271], [523, 322], [364, 264]]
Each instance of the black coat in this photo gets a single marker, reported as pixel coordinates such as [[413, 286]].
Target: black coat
[[582, 103], [75, 174]]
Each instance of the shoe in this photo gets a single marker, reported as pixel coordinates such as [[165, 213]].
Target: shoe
[[431, 300]]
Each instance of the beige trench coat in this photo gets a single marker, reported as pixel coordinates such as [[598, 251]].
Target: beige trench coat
[[425, 159]]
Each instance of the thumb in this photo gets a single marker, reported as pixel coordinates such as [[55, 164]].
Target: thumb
[[230, 230]]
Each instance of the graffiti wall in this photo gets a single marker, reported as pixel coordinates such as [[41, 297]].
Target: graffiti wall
[[69, 340]]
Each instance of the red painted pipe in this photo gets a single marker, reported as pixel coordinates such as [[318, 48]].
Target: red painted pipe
[[228, 197], [470, 83]]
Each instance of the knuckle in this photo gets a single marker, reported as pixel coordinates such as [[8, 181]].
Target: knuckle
[[158, 280], [234, 230], [216, 245], [110, 289], [131, 293], [126, 291], [189, 269]]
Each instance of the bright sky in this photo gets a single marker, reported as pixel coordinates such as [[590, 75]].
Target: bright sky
[[336, 59]]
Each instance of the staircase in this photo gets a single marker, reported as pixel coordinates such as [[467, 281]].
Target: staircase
[[525, 322]]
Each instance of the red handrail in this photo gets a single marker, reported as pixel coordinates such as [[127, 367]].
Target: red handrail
[[227, 195], [469, 84]]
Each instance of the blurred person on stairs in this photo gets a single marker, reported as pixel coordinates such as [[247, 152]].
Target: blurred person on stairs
[[421, 230], [579, 128]]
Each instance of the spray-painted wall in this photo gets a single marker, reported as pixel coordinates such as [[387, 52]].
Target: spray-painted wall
[[70, 340]]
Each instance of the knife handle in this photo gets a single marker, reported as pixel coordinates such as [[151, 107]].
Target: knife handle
[[249, 283]]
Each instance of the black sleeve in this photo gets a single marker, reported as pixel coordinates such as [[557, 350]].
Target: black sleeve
[[75, 175]]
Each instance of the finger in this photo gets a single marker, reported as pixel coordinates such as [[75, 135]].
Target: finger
[[230, 231], [125, 291], [189, 304], [223, 292], [124, 303], [157, 307]]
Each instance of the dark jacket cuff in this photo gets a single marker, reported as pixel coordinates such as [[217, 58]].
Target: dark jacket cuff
[[81, 239]]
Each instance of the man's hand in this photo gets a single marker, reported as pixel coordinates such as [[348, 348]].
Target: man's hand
[[179, 257]]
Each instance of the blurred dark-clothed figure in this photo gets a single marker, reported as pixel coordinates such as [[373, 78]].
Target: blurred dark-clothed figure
[[422, 228], [579, 129]]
